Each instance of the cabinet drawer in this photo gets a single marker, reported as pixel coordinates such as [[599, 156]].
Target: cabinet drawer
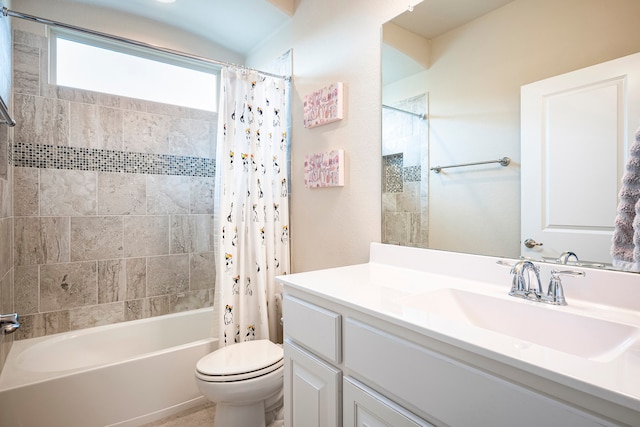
[[447, 390], [364, 407], [315, 328]]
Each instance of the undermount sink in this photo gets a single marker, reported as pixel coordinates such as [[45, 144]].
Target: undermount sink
[[546, 326]]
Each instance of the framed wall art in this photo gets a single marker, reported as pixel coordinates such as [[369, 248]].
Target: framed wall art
[[323, 106], [324, 169]]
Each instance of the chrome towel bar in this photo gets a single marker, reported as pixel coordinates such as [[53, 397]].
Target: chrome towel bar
[[503, 162]]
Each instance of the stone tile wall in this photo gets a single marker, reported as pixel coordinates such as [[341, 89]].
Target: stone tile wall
[[113, 203], [405, 175], [6, 220]]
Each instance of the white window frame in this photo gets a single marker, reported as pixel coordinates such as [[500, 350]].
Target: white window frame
[[128, 49]]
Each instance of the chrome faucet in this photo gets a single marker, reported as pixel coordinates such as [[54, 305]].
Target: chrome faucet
[[526, 272], [564, 257], [9, 323], [523, 271]]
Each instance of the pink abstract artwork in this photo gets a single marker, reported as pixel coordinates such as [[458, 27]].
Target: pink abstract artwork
[[324, 169], [323, 106]]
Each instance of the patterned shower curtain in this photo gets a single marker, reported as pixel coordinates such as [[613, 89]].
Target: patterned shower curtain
[[252, 217]]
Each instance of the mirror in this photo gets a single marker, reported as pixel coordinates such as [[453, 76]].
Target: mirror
[[463, 64]]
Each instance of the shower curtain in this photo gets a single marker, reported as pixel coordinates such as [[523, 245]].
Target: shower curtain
[[252, 214]]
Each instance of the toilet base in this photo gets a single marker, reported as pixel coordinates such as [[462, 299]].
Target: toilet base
[[249, 415]]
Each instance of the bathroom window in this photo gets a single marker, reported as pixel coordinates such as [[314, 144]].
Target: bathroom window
[[100, 65]]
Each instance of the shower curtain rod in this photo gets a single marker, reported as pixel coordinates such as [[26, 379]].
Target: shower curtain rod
[[14, 14], [421, 116]]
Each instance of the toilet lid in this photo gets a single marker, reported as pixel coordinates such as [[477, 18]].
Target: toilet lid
[[241, 358]]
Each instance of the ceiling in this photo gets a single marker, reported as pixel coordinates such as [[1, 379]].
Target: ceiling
[[430, 19], [215, 20], [218, 20]]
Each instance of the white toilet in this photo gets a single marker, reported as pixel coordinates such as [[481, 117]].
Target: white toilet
[[243, 380]]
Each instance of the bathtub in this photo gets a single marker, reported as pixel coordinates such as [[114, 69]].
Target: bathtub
[[125, 374]]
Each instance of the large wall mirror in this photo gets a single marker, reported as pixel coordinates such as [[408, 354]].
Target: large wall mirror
[[452, 76]]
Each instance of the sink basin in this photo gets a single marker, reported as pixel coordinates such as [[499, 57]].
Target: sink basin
[[526, 321]]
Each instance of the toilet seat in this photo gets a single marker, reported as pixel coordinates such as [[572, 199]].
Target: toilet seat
[[242, 361]]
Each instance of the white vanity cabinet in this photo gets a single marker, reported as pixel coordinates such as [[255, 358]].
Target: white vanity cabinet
[[445, 390], [399, 342], [315, 390], [351, 368], [364, 407], [312, 385]]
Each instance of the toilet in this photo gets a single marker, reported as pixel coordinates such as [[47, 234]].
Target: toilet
[[243, 380]]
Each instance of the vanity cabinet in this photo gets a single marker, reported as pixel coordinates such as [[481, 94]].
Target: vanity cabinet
[[314, 386], [446, 390], [409, 338], [364, 407], [312, 354], [352, 368]]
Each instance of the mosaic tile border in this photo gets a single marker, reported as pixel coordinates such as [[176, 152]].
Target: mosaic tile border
[[91, 159], [412, 173]]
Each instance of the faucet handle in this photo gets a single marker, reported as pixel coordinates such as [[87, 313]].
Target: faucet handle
[[505, 263], [555, 293]]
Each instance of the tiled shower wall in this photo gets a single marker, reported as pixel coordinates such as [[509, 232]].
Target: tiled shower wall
[[113, 203], [405, 151], [6, 220]]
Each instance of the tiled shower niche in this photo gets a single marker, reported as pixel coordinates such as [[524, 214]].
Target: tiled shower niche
[[392, 173], [113, 203]]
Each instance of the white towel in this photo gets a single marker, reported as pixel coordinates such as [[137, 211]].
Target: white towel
[[626, 236]]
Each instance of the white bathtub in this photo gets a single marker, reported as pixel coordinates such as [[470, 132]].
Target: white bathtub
[[125, 374]]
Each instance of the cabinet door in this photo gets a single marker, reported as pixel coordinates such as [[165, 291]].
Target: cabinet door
[[364, 407], [311, 389]]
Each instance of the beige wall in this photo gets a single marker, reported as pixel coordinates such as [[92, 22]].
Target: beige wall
[[335, 40], [474, 100]]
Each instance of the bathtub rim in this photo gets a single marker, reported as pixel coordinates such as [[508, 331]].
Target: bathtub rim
[[10, 362]]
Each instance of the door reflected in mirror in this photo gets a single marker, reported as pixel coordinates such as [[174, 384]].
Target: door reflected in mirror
[[467, 63]]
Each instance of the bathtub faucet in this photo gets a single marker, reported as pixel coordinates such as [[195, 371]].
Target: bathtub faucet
[[9, 323]]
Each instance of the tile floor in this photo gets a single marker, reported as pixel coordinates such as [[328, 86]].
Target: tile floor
[[200, 416]]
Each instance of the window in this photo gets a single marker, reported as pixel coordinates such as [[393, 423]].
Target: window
[[100, 65]]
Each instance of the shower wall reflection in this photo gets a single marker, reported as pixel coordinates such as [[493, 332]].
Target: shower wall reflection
[[405, 185]]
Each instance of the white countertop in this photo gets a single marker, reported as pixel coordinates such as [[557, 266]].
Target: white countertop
[[384, 291]]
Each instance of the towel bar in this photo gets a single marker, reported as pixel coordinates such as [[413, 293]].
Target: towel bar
[[503, 162]]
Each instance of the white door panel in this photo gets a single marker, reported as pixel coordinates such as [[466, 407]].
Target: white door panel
[[576, 131]]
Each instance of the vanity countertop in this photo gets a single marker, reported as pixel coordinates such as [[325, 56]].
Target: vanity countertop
[[390, 286]]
